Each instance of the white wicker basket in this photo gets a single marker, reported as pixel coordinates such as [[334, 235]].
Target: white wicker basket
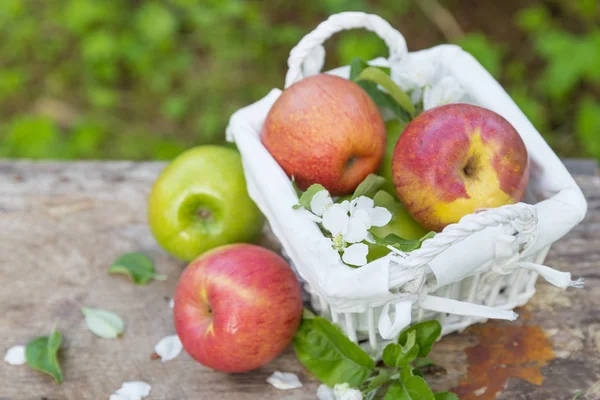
[[483, 267]]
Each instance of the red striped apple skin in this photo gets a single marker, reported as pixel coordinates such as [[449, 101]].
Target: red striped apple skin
[[325, 129], [237, 307], [454, 159]]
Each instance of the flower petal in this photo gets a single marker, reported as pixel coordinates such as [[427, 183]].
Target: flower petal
[[133, 390], [380, 216], [168, 348], [15, 355], [361, 203], [345, 205], [370, 238], [284, 380], [335, 219], [364, 216], [356, 254], [351, 394], [357, 231], [309, 215], [320, 201], [324, 392]]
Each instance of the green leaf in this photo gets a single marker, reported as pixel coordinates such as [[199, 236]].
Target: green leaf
[[417, 372], [384, 100], [369, 186], [445, 396], [356, 66], [427, 332], [41, 354], [382, 79], [103, 323], [423, 362], [400, 243], [381, 379], [397, 391], [417, 388], [327, 353], [138, 266], [306, 197], [394, 355]]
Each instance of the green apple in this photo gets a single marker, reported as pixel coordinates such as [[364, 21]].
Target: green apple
[[394, 129], [200, 202], [402, 223]]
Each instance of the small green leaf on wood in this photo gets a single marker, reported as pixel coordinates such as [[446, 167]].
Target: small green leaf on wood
[[445, 396], [423, 362], [138, 266], [42, 354], [427, 332], [306, 197], [103, 323], [329, 355], [369, 186]]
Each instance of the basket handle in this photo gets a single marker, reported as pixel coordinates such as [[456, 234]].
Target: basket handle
[[310, 50]]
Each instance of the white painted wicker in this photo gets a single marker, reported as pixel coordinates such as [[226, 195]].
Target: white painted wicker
[[483, 267]]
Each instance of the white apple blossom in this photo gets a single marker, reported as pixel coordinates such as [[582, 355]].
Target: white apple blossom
[[446, 91], [341, 391], [15, 355], [284, 380], [348, 223], [413, 76]]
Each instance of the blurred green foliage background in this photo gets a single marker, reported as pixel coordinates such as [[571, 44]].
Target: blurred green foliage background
[[145, 79]]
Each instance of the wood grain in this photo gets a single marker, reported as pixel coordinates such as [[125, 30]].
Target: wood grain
[[62, 224]]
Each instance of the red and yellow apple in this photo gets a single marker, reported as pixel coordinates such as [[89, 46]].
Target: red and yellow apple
[[454, 159], [325, 129], [237, 307]]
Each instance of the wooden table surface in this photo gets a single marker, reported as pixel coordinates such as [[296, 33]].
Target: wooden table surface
[[62, 224]]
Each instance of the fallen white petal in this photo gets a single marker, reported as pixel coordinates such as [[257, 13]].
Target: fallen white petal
[[118, 397], [380, 216], [357, 231], [363, 215], [335, 219], [132, 390], [172, 303], [362, 202], [284, 380], [324, 392], [356, 254], [15, 355], [168, 348], [320, 202]]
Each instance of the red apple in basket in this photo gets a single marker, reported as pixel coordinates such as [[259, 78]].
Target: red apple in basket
[[237, 307], [325, 129], [452, 160]]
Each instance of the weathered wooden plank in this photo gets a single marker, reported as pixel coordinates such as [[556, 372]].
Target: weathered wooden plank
[[62, 224]]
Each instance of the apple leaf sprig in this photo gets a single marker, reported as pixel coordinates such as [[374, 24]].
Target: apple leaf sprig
[[341, 364], [392, 97], [352, 224]]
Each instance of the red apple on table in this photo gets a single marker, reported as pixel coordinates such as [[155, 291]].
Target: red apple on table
[[325, 129], [452, 160], [237, 307]]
